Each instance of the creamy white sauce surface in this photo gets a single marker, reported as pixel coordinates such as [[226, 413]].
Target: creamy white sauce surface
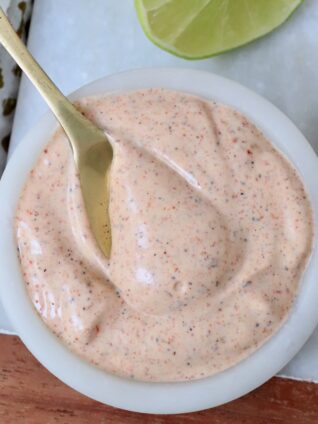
[[211, 227]]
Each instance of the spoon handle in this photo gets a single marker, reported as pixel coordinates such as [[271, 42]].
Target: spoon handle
[[78, 129], [92, 150]]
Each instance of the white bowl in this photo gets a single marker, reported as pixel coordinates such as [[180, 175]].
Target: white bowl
[[160, 397]]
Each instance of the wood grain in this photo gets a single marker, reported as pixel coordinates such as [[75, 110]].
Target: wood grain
[[29, 394]]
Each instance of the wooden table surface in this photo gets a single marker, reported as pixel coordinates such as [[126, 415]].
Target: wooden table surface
[[29, 394]]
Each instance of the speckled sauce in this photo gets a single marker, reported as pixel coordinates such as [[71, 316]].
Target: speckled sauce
[[211, 227]]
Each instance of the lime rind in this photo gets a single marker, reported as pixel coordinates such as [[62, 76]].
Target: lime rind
[[142, 16]]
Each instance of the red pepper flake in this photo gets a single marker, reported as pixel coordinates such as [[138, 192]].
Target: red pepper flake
[[249, 152]]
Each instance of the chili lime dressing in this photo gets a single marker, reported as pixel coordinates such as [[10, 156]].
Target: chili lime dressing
[[211, 228]]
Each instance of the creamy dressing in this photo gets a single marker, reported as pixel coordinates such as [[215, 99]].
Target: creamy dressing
[[211, 230]]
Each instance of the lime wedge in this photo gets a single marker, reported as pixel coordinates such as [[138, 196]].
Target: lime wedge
[[195, 29]]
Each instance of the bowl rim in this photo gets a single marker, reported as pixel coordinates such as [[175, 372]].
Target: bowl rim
[[160, 398]]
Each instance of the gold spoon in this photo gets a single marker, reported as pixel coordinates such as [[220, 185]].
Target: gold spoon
[[92, 150]]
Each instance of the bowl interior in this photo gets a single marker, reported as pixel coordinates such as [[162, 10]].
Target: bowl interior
[[160, 397]]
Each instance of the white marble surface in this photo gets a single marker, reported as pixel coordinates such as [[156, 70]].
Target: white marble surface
[[77, 42]]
